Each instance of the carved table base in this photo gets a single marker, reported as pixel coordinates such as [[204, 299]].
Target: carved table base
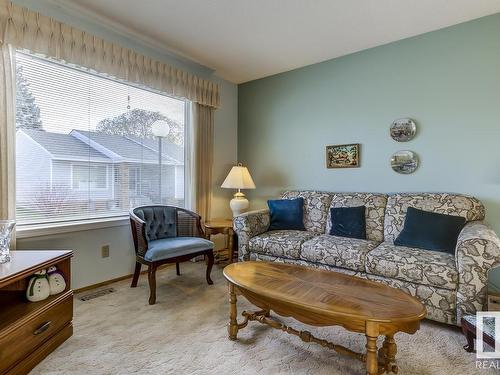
[[377, 362]]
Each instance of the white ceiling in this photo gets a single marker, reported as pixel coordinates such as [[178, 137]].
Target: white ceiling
[[244, 40]]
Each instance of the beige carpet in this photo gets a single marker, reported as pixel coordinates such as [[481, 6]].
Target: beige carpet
[[185, 333]]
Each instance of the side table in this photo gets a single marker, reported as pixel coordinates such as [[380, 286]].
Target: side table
[[222, 226], [469, 330]]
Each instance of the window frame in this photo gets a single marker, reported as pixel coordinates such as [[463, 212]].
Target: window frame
[[65, 225]]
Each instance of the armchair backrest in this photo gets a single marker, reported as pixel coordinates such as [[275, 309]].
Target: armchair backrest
[[160, 221]]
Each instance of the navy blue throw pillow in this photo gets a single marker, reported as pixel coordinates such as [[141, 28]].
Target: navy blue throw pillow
[[348, 222], [430, 231], [286, 214]]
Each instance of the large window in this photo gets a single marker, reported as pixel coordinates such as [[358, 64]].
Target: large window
[[86, 146]]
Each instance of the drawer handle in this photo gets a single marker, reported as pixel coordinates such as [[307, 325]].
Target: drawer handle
[[45, 326]]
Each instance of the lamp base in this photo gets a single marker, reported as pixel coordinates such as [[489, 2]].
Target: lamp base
[[239, 204]]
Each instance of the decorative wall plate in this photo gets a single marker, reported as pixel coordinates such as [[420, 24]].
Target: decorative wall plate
[[404, 162], [403, 129]]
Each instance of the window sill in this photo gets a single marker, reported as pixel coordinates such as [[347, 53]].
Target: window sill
[[38, 230]]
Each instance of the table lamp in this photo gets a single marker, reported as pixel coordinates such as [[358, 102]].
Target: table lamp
[[238, 178]]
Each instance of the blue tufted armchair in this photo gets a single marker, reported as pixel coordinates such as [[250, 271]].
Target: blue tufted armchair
[[167, 234]]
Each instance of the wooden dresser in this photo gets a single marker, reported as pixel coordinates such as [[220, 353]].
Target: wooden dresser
[[29, 331]]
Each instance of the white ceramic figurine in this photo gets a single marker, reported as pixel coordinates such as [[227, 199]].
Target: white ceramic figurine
[[38, 287], [56, 280]]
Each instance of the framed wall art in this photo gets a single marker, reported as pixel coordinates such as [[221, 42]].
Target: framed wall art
[[342, 156]]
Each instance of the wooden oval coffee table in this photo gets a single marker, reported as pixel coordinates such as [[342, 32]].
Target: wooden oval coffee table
[[325, 298]]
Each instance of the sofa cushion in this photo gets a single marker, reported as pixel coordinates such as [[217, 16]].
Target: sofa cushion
[[430, 231], [286, 214], [419, 266], [282, 243], [443, 203], [374, 213], [348, 222], [316, 207], [349, 253], [166, 248]]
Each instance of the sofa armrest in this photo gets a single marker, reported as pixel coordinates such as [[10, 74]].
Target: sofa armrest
[[248, 225], [477, 251]]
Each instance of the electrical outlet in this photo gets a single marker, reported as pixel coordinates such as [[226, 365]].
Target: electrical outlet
[[105, 251]]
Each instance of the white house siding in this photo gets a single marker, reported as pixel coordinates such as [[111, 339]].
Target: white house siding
[[62, 179], [168, 183], [179, 182], [33, 164], [147, 190]]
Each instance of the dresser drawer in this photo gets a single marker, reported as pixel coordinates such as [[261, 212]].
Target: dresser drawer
[[27, 337]]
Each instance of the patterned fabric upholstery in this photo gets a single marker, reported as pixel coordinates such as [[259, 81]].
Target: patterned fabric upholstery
[[316, 205], [449, 286], [282, 243], [419, 266], [375, 209], [342, 252], [161, 222], [249, 225], [478, 250], [270, 258], [440, 303], [442, 203]]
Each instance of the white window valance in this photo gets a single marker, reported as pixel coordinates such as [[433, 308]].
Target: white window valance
[[30, 30]]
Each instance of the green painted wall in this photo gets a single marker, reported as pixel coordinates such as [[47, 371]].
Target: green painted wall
[[447, 80]]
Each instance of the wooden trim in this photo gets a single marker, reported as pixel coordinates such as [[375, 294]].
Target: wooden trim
[[116, 279]]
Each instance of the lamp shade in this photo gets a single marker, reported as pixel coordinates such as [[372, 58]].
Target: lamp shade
[[238, 178]]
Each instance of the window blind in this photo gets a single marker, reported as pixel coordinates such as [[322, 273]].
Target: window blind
[[85, 145]]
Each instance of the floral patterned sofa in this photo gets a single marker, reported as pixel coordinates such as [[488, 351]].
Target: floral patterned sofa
[[448, 285]]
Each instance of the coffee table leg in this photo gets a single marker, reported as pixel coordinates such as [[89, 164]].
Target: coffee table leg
[[233, 324], [371, 348]]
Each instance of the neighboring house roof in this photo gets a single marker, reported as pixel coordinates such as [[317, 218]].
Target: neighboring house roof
[[169, 148], [104, 147], [64, 146], [131, 150]]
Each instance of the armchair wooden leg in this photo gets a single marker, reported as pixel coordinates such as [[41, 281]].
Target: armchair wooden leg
[[210, 263], [177, 269], [152, 284], [137, 272]]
